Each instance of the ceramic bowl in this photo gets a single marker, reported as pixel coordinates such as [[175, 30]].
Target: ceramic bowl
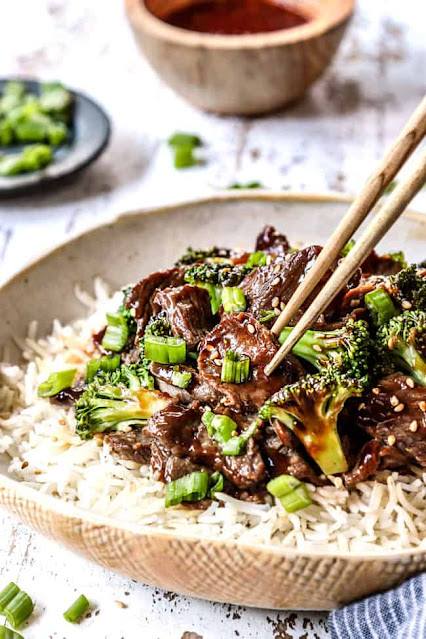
[[240, 74], [227, 571]]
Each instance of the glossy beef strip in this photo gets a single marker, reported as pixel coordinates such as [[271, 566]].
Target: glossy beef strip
[[394, 413], [283, 455], [141, 296], [198, 389], [241, 333], [271, 241], [134, 445], [268, 287], [178, 433], [188, 310], [380, 265], [374, 456]]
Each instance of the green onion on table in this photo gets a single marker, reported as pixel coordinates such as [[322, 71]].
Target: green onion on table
[[77, 609]]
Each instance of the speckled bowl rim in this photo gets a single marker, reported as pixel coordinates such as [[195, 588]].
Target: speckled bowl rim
[[73, 512], [314, 28]]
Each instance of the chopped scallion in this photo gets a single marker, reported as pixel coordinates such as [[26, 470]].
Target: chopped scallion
[[348, 248], [116, 333], [7, 633], [184, 139], [192, 487], [165, 350], [181, 379], [215, 483], [236, 444], [77, 609], [105, 364], [7, 594], [292, 493], [265, 316], [235, 368], [233, 299], [380, 306], [56, 382], [256, 259], [18, 609], [222, 427]]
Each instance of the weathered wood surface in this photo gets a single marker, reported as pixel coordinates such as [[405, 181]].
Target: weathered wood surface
[[330, 141]]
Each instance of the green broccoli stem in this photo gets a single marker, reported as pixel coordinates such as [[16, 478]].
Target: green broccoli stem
[[410, 360]]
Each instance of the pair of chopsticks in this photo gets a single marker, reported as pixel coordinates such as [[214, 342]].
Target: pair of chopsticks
[[408, 139]]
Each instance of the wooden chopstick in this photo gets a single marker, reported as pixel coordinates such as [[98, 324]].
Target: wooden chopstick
[[379, 226], [408, 139]]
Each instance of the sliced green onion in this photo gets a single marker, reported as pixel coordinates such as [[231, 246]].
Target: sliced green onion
[[235, 368], [233, 299], [390, 187], [183, 157], [116, 333], [77, 609], [215, 293], [105, 364], [215, 483], [7, 633], [249, 185], [348, 248], [181, 379], [56, 382], [399, 256], [7, 594], [184, 139], [292, 493], [235, 445], [18, 609], [265, 316], [256, 259], [192, 487], [380, 306], [165, 350], [222, 427]]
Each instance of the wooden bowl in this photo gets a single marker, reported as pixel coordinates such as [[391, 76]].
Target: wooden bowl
[[227, 571], [240, 74]]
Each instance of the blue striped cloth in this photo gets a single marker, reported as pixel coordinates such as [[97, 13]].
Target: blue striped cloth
[[397, 614]]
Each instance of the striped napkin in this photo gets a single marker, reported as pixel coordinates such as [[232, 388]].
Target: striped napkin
[[397, 614]]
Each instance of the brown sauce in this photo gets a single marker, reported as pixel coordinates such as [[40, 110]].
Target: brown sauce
[[235, 17]]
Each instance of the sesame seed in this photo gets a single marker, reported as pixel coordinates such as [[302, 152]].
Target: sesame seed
[[251, 328], [120, 604], [276, 281], [214, 354], [361, 406], [406, 305], [275, 302], [354, 303], [410, 382], [375, 391], [317, 348], [391, 343], [268, 260], [391, 440], [394, 400], [62, 422], [24, 465], [277, 268], [282, 306], [234, 433], [209, 347], [422, 406], [218, 361], [277, 311], [413, 426], [399, 408]]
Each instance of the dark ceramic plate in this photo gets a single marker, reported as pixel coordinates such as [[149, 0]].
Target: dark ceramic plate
[[90, 134]]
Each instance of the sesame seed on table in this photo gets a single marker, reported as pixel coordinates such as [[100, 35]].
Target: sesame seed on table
[[326, 143]]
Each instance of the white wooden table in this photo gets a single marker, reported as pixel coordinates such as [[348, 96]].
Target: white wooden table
[[328, 142]]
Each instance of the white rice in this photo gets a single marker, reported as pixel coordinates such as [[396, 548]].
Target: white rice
[[388, 513]]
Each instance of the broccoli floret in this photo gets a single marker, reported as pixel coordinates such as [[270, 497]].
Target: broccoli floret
[[349, 349], [409, 286], [159, 325], [200, 255], [311, 408], [114, 400], [402, 342], [218, 274]]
